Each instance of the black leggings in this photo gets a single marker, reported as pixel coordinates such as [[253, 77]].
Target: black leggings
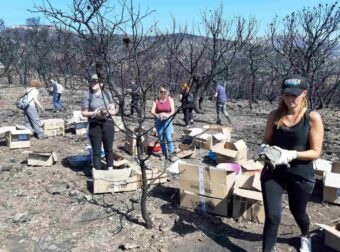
[[101, 132], [299, 192], [187, 112]]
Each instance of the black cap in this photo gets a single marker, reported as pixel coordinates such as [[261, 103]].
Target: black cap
[[294, 85]]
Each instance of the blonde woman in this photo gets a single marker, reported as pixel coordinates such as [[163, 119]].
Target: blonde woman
[[33, 121], [298, 134], [162, 109]]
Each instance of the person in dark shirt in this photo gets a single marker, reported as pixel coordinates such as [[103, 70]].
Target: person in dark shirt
[[221, 102], [298, 134], [187, 101]]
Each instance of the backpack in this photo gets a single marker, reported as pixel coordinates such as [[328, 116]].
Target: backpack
[[22, 102]]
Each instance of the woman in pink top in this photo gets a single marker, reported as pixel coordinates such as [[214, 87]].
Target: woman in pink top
[[163, 108]]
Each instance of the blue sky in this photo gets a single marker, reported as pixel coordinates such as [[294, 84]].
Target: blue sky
[[14, 12]]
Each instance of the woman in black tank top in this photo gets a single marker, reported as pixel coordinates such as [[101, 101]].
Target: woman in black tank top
[[298, 134]]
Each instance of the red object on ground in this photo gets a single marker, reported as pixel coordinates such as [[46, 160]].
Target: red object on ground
[[154, 147]]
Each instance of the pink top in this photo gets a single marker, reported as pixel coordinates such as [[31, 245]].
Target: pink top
[[163, 107]]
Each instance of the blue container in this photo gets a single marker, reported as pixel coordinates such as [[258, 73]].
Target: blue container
[[79, 161], [212, 155]]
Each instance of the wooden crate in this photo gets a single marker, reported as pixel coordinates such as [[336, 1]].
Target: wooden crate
[[54, 127], [17, 139]]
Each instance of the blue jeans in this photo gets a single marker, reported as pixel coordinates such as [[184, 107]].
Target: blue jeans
[[164, 130], [57, 102]]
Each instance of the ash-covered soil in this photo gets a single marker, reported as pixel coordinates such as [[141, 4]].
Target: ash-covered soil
[[53, 209]]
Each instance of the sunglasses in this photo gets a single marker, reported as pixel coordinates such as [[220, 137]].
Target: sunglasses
[[162, 92]]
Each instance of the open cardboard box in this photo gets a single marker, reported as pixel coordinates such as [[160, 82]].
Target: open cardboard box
[[332, 235], [42, 158], [231, 152], [247, 198]]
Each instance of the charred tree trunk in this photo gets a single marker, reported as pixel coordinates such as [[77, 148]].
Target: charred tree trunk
[[145, 186]]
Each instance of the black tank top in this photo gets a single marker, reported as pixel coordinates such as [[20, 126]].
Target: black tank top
[[295, 138]]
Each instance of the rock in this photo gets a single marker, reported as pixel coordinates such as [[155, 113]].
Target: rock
[[87, 197], [164, 227], [21, 217], [74, 194], [52, 247], [6, 167], [129, 246]]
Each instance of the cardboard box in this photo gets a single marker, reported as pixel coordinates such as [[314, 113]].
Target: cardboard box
[[332, 235], [204, 141], [119, 161], [117, 180], [331, 189], [247, 198], [130, 142], [17, 139], [54, 127], [231, 152], [42, 158], [209, 181], [81, 128], [203, 203]]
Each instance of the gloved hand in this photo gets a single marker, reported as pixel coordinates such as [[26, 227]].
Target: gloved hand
[[261, 149], [286, 156]]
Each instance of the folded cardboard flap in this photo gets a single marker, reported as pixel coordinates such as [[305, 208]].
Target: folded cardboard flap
[[251, 165], [234, 151], [322, 165], [332, 180], [332, 235], [248, 194]]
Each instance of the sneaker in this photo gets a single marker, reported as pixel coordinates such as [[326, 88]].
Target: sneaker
[[42, 137], [110, 168], [306, 245]]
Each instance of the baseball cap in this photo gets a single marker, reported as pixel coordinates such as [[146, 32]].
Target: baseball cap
[[294, 84]]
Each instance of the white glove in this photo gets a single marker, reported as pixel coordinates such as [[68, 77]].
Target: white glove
[[261, 149], [286, 156]]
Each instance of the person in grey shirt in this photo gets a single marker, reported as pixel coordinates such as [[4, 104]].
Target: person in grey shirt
[[221, 102], [98, 106]]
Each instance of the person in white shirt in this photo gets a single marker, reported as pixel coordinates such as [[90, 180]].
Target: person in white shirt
[[57, 90], [31, 113]]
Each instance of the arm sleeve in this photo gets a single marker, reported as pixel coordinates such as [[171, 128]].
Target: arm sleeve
[[85, 101]]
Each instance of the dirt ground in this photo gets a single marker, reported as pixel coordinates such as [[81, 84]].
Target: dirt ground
[[53, 209]]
